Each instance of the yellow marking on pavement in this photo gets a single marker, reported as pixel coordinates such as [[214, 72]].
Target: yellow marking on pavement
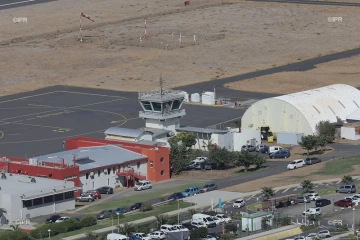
[[1, 134]]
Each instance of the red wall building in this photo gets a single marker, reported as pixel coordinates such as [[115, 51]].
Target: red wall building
[[158, 165]]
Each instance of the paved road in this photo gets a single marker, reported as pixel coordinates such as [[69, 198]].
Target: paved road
[[7, 4]]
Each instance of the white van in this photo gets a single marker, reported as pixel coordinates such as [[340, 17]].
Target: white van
[[312, 211], [203, 218], [273, 149], [116, 236]]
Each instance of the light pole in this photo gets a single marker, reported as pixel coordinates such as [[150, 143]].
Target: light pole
[[49, 232], [118, 214], [305, 209], [354, 221], [178, 212]]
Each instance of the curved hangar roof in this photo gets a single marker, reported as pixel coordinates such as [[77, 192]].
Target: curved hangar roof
[[321, 104]]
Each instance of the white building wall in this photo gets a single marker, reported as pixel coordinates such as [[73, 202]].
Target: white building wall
[[279, 115], [244, 137], [169, 124], [111, 180], [349, 133]]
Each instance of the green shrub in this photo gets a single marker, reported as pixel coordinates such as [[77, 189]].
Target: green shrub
[[88, 221], [146, 207], [307, 228], [115, 216], [172, 220], [227, 236], [198, 233], [231, 228], [236, 217], [15, 235], [285, 221], [59, 227], [72, 225]]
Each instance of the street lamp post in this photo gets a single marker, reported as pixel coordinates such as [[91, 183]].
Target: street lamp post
[[305, 209], [49, 233], [118, 214], [354, 221], [178, 212], [112, 224]]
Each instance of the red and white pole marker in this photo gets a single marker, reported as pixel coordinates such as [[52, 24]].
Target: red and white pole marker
[[81, 16], [145, 34]]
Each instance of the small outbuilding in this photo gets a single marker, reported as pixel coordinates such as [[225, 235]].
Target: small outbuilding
[[351, 131], [253, 222], [290, 138]]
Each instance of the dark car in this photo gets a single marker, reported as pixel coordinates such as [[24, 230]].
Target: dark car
[[344, 203], [52, 219], [265, 149], [175, 196], [120, 210], [303, 199], [312, 160], [105, 190], [135, 206], [189, 226], [104, 214], [208, 188], [134, 237], [283, 153], [322, 202]]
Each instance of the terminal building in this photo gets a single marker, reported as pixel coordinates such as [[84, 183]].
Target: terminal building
[[23, 197]]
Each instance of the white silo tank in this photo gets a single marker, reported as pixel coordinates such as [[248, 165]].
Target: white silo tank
[[208, 98], [195, 97], [186, 96]]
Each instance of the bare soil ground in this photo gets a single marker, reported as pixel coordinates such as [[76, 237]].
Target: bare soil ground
[[290, 177], [231, 39]]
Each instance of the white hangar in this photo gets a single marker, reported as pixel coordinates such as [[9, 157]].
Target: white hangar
[[301, 112]]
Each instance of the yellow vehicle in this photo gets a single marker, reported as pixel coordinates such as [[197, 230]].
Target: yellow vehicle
[[267, 134]]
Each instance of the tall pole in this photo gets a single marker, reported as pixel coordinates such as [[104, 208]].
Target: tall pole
[[305, 210], [354, 221], [145, 34], [80, 34], [112, 225], [178, 212], [118, 223]]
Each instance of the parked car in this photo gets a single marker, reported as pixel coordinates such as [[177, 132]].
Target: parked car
[[190, 191], [314, 196], [198, 160], [120, 210], [105, 190], [218, 221], [209, 166], [303, 199], [296, 164], [165, 228], [199, 224], [312, 211], [260, 147], [313, 160], [311, 236], [181, 228], [283, 153], [175, 196], [264, 150], [135, 206], [85, 198], [142, 185], [322, 202], [104, 214], [143, 236], [249, 148], [189, 226], [349, 188], [239, 203], [52, 218], [324, 234], [344, 203], [134, 237], [61, 219], [208, 187], [273, 149], [224, 217], [157, 235], [355, 200], [94, 193]]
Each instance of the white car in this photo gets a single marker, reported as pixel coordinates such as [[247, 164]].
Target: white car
[[181, 228], [355, 200], [217, 220], [199, 224], [224, 217], [168, 228], [142, 185], [143, 236], [296, 164], [311, 236], [239, 203], [157, 235], [208, 237], [314, 196], [62, 219], [312, 211], [324, 234]]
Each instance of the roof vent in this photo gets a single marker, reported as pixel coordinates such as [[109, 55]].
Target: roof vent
[[3, 176], [33, 180]]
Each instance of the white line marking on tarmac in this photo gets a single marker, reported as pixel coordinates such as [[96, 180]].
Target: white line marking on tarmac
[[17, 3], [285, 190], [295, 189]]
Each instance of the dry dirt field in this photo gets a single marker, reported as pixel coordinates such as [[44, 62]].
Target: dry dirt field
[[231, 39]]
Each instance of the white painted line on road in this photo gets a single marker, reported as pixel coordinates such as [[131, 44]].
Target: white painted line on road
[[17, 3], [285, 190], [295, 189]]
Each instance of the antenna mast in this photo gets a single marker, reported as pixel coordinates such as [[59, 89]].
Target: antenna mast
[[161, 83]]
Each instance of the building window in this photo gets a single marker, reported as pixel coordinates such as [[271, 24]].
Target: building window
[[161, 159], [38, 201], [108, 182], [49, 199], [99, 173], [87, 175], [114, 170], [27, 203], [151, 164], [93, 185], [109, 170], [138, 165], [162, 172], [59, 197], [69, 195]]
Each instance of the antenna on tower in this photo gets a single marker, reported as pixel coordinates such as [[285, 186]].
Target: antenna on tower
[[161, 84], [145, 33]]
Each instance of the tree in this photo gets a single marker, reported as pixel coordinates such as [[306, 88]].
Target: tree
[[265, 222], [221, 157], [308, 142], [187, 139], [161, 219], [126, 228], [245, 159], [92, 236], [268, 192], [179, 157], [198, 233], [258, 161], [346, 179], [238, 123], [325, 128], [322, 140], [307, 186]]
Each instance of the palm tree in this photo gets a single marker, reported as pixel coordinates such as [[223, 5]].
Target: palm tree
[[126, 228], [161, 219], [15, 227], [92, 236]]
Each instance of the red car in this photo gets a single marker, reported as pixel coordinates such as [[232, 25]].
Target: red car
[[344, 203], [95, 194]]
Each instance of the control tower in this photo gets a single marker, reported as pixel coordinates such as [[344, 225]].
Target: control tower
[[162, 108]]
